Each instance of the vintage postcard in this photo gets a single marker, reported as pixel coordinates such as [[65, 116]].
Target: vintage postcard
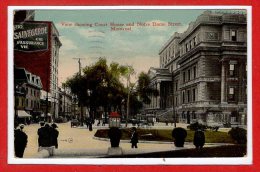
[[130, 85]]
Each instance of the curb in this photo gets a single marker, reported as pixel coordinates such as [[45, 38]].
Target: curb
[[160, 142]]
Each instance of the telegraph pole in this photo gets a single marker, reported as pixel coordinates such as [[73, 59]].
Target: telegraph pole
[[81, 108]]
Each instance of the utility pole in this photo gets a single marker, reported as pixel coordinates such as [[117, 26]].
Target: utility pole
[[128, 99], [81, 108], [130, 72]]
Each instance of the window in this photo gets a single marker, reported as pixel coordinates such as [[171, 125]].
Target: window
[[193, 95], [188, 74], [183, 96], [233, 35], [231, 69], [183, 77], [194, 72], [188, 96], [176, 86], [187, 47], [193, 115], [194, 41], [190, 44], [176, 101], [231, 94]]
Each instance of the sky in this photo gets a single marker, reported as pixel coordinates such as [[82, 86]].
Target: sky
[[139, 47]]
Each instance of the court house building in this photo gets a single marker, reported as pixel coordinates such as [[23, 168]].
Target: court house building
[[203, 72]]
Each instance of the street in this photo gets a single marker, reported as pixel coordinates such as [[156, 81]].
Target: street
[[82, 139]]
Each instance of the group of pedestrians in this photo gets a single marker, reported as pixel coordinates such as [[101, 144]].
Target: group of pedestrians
[[198, 139], [47, 136]]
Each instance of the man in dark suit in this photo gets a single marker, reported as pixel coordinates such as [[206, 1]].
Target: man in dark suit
[[45, 137], [40, 130], [199, 138], [134, 138], [54, 133], [20, 141]]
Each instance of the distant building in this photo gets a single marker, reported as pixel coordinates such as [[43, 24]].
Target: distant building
[[29, 103], [36, 48], [65, 103], [206, 78]]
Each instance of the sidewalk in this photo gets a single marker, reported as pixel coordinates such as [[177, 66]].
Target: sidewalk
[[79, 142]]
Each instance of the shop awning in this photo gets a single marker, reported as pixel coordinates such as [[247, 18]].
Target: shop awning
[[23, 114]]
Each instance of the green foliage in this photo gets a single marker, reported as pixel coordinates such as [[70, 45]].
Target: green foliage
[[179, 134], [166, 135], [143, 88], [239, 135], [102, 81]]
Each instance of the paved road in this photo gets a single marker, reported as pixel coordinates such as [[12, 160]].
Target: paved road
[[81, 138]]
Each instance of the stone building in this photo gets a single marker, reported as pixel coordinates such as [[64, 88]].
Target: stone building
[[207, 72], [65, 103], [28, 105]]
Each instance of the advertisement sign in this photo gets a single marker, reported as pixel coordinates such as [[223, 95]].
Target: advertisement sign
[[30, 36]]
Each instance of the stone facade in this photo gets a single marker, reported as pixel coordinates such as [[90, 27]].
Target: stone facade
[[208, 68], [30, 102], [65, 103]]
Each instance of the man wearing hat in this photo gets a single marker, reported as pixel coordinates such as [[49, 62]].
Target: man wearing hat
[[40, 133], [54, 133], [20, 141]]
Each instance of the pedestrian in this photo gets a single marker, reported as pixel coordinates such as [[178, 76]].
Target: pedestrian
[[87, 122], [90, 125], [54, 133], [103, 122], [199, 139], [45, 136], [20, 141], [134, 138], [39, 132]]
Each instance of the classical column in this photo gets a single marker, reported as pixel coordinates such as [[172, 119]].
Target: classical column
[[223, 83], [159, 96], [241, 86]]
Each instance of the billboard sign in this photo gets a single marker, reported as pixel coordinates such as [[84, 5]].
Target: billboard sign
[[30, 36]]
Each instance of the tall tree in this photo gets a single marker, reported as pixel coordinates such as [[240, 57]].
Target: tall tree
[[143, 88], [99, 86]]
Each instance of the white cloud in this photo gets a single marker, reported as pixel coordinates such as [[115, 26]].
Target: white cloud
[[67, 44], [87, 33]]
